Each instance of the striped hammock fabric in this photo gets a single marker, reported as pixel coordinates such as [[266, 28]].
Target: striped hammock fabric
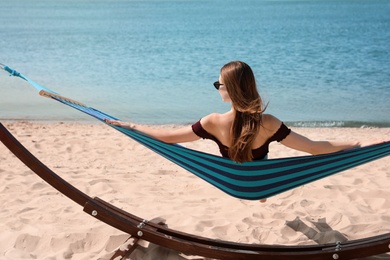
[[251, 180]]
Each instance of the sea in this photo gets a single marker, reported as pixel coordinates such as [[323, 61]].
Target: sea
[[318, 63]]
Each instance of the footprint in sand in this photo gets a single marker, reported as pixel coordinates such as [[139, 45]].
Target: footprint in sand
[[27, 242]]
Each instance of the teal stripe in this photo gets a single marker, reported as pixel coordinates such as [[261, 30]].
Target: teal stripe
[[292, 185]]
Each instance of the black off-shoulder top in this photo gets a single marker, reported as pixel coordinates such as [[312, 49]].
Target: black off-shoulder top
[[258, 153]]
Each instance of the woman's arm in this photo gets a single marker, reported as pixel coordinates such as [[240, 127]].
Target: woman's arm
[[181, 135], [304, 144]]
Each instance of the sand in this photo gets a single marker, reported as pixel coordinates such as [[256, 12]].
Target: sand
[[38, 222]]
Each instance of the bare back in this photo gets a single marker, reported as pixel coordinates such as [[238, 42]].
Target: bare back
[[220, 125]]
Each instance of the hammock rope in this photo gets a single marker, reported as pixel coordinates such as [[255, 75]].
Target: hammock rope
[[251, 180]]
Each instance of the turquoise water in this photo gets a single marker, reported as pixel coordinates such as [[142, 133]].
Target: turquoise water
[[317, 63]]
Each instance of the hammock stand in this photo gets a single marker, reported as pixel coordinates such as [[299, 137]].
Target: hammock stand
[[188, 244]]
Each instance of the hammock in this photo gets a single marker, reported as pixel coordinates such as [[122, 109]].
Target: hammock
[[251, 180]]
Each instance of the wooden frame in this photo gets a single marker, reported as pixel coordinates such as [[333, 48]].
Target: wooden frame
[[189, 244]]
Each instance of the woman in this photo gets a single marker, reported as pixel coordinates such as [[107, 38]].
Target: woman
[[245, 132]]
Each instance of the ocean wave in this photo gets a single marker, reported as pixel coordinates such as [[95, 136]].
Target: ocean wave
[[354, 124]]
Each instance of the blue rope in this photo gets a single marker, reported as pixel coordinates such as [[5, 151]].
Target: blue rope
[[15, 73], [12, 72]]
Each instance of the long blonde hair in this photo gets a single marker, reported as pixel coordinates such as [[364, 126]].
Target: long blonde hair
[[240, 84]]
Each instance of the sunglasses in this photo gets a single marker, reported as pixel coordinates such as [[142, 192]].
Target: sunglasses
[[217, 85]]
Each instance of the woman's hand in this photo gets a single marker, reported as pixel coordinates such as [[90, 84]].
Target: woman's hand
[[119, 123], [371, 142]]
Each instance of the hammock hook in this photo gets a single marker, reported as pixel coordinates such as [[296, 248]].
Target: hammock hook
[[338, 246], [2, 66]]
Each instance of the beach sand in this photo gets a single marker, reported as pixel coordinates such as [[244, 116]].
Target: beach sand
[[38, 222]]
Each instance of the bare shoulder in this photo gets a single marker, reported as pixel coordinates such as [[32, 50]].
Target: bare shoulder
[[210, 120], [215, 123], [270, 124]]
